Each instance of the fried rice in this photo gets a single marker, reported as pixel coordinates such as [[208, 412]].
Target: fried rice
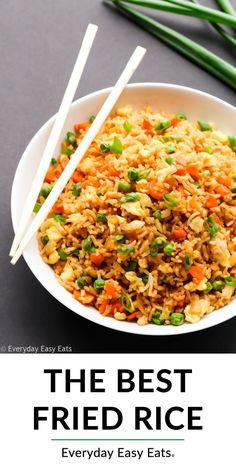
[[145, 229]]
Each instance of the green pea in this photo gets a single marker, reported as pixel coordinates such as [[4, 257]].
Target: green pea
[[204, 126], [162, 124], [127, 126], [145, 278], [157, 214], [45, 190], [168, 249], [169, 147], [37, 207], [156, 318], [181, 116], [99, 284], [71, 139], [169, 160], [133, 173], [62, 254], [101, 217], [77, 189], [124, 186], [218, 285], [177, 319]]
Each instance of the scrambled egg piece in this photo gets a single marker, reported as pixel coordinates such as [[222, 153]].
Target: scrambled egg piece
[[195, 311], [220, 252]]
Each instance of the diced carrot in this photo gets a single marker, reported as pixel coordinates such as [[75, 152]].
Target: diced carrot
[[77, 176], [179, 233], [193, 203], [117, 306], [111, 290], [156, 190], [112, 172], [50, 175], [224, 180], [222, 190], [218, 220], [147, 125], [76, 294], [180, 171], [64, 161], [198, 148], [197, 272], [132, 316], [174, 121], [211, 202], [57, 208], [103, 306], [192, 170], [97, 258], [81, 126], [181, 303]]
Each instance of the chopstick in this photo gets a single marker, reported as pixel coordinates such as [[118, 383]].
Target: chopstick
[[103, 113], [54, 135]]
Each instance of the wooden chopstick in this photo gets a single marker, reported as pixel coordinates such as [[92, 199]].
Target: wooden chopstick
[[103, 113], [54, 135]]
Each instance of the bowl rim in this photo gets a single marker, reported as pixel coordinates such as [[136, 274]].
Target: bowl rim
[[110, 322]]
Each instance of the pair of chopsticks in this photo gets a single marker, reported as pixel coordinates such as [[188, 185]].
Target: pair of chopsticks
[[24, 235]]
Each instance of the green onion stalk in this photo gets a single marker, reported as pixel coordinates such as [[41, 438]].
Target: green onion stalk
[[226, 6], [190, 49]]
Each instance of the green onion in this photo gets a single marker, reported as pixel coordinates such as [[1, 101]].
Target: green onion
[[185, 46], [153, 249], [166, 138], [134, 174], [206, 173], [157, 214], [116, 146], [76, 253], [127, 303], [169, 147], [44, 239], [187, 262], [88, 245], [119, 238], [169, 160], [156, 318], [197, 184], [71, 139], [230, 281], [144, 174], [162, 125], [53, 161], [125, 249], [218, 285], [99, 193], [131, 197], [177, 319], [168, 249], [232, 142], [67, 151], [204, 126], [124, 186], [62, 254], [101, 217], [226, 6], [59, 218], [169, 200], [145, 278], [81, 282], [99, 284], [45, 190], [127, 126], [92, 118], [177, 138], [131, 266], [105, 147], [208, 149], [209, 287], [37, 207], [212, 226], [77, 189], [181, 116]]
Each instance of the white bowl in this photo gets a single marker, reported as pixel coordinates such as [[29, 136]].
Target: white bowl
[[165, 97]]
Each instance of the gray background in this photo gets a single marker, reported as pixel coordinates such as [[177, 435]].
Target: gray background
[[39, 41]]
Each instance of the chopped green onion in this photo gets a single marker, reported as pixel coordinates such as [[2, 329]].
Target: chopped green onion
[[99, 284], [92, 118], [212, 226], [124, 186], [127, 303], [197, 184], [168, 249], [45, 190], [218, 285], [157, 214], [105, 147], [127, 126], [204, 126], [76, 252], [101, 217], [187, 262], [144, 174], [232, 142], [119, 237], [71, 139], [88, 245], [177, 138], [169, 160], [208, 149], [45, 239], [156, 318], [59, 218], [62, 254], [116, 146], [169, 147], [67, 151], [209, 287], [133, 173], [131, 197], [77, 189], [37, 207], [153, 249], [162, 125], [125, 249], [99, 193], [206, 173], [230, 281], [166, 138], [169, 200], [181, 116], [177, 319], [53, 161], [145, 278], [131, 266]]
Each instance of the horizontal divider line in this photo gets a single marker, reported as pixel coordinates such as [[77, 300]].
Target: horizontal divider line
[[118, 440]]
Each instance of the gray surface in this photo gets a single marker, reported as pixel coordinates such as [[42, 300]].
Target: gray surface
[[38, 45]]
